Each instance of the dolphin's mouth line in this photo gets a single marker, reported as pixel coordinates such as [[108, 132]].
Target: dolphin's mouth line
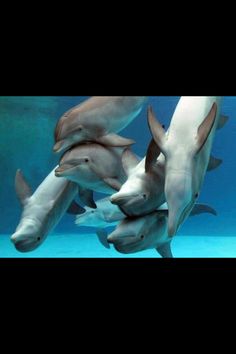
[[184, 213], [124, 198], [60, 170], [119, 242], [26, 246], [127, 248]]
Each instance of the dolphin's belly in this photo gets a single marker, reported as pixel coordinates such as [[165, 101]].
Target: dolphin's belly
[[115, 114], [121, 122], [190, 113]]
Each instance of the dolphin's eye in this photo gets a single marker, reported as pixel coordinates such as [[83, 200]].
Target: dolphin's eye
[[142, 237], [86, 160], [196, 195], [39, 238], [79, 129], [92, 211], [144, 196]]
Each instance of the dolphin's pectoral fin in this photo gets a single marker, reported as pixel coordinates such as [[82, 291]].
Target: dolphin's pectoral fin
[[86, 196], [222, 122], [113, 183], [214, 163], [165, 251], [129, 161], [153, 153], [203, 209], [102, 236], [206, 127], [114, 140], [75, 209], [22, 188], [156, 129]]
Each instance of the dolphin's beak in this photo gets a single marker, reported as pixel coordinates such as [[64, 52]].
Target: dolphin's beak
[[173, 223], [23, 245], [121, 199], [59, 146], [14, 238], [117, 237], [118, 199], [112, 238], [61, 170], [172, 229], [176, 219]]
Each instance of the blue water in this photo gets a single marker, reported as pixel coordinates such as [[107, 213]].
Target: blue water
[[26, 139]]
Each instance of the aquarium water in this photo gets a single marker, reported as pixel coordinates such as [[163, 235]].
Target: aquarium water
[[26, 141]]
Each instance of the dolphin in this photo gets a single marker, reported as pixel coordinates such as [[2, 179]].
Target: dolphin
[[42, 210], [143, 192], [97, 120], [148, 232], [95, 168], [104, 216], [187, 147]]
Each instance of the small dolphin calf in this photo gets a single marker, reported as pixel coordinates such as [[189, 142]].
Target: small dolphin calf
[[148, 232], [104, 216], [187, 147], [97, 120], [95, 168], [42, 210]]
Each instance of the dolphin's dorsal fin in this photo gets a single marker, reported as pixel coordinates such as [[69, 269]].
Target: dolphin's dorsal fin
[[206, 127], [157, 130], [222, 122], [75, 209], [214, 163], [153, 153], [86, 196], [114, 140], [102, 236], [22, 188], [203, 209], [165, 250], [129, 161]]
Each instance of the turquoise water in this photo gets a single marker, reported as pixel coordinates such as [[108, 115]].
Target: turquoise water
[[87, 246], [26, 139]]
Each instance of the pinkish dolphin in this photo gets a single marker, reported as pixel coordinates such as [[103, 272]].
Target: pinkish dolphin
[[94, 168], [97, 120]]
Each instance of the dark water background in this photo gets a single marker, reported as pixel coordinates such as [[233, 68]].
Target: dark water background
[[27, 136]]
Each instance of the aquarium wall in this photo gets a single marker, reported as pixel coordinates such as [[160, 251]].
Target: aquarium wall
[[26, 140]]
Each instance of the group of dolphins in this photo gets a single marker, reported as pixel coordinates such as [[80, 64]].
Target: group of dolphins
[[149, 199]]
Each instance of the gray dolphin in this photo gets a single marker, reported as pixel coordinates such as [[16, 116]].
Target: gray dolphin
[[143, 192], [42, 210], [148, 232], [95, 168], [104, 216], [187, 147], [97, 120]]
